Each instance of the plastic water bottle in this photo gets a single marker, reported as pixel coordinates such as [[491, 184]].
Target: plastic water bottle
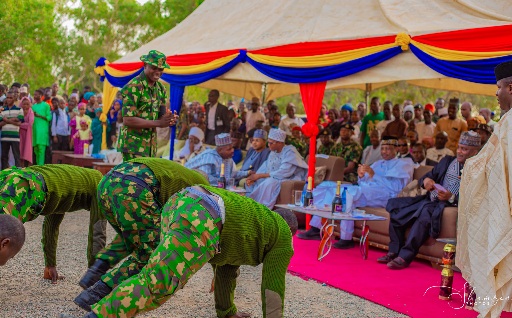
[[344, 200], [304, 190]]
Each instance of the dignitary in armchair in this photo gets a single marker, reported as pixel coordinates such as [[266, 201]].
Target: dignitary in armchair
[[258, 153], [423, 213], [283, 163], [376, 185], [210, 161]]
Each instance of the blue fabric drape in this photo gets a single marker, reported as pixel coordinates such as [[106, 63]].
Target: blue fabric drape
[[121, 81], [326, 73], [176, 100], [477, 71]]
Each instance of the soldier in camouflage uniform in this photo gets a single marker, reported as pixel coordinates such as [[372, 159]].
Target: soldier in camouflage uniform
[[39, 190], [326, 143], [143, 98], [350, 151], [296, 140], [203, 224], [130, 197]]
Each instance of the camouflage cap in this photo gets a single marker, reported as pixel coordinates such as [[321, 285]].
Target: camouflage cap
[[155, 58]]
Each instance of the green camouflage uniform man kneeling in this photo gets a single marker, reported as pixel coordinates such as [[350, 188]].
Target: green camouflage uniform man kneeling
[[52, 190], [131, 197], [204, 224]]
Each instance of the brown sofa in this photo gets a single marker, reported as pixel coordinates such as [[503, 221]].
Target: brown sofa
[[431, 250], [334, 172]]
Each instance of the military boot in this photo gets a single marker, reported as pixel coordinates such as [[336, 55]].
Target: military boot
[[92, 295], [94, 273]]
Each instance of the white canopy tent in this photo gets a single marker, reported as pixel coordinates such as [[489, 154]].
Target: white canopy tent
[[219, 25]]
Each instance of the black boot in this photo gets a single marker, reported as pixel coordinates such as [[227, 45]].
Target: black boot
[[312, 234], [94, 273], [92, 295]]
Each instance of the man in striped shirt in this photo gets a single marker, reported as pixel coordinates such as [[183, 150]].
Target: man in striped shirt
[[10, 119]]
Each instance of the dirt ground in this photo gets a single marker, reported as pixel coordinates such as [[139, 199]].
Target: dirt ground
[[24, 293]]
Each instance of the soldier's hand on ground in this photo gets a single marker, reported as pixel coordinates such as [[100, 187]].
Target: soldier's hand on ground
[[240, 315], [51, 274], [428, 184]]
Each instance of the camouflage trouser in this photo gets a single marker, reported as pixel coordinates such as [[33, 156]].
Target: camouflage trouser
[[129, 156], [190, 239], [129, 200]]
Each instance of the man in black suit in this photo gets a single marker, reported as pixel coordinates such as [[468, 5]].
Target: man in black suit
[[217, 117]]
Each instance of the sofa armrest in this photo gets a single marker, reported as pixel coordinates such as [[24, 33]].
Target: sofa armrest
[[288, 189]]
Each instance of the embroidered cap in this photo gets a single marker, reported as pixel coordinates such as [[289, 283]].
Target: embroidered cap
[[223, 139], [485, 128], [470, 138], [503, 70], [389, 140], [277, 135], [260, 133]]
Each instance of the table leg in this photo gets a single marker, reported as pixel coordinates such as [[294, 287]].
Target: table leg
[[326, 233], [363, 242]]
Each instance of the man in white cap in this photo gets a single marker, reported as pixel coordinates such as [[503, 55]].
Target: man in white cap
[[210, 161], [194, 144], [258, 153], [377, 183], [283, 163], [408, 113], [484, 226]]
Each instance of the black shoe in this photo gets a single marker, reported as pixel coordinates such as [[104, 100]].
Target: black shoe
[[398, 263], [387, 258], [344, 244], [312, 234], [92, 295], [94, 273]]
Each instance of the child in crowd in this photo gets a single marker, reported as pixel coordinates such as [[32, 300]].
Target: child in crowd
[[112, 122], [74, 123], [82, 136], [26, 132]]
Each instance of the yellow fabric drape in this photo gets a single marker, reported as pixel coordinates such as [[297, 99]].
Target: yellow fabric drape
[[109, 94], [450, 55]]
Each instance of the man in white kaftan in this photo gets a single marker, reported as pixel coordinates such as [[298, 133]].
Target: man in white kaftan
[[283, 163], [484, 233], [377, 183]]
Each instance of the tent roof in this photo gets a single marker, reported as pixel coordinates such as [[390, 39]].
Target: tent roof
[[233, 24]]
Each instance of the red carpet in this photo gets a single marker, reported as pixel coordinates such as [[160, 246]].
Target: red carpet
[[412, 291]]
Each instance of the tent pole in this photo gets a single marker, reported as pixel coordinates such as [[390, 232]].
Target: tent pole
[[263, 93]]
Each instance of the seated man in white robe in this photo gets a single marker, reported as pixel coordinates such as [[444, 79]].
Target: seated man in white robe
[[283, 163], [377, 183], [210, 160]]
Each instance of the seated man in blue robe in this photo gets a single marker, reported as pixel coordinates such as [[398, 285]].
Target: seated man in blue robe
[[258, 153], [423, 213], [377, 183], [283, 163], [210, 160]]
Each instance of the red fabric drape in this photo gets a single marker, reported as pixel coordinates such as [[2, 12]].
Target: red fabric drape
[[312, 95], [488, 39]]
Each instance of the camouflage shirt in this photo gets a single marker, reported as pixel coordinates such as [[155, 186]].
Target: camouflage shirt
[[143, 101], [299, 144], [326, 150], [350, 153]]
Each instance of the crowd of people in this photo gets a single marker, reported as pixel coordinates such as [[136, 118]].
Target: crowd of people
[[34, 123], [171, 218]]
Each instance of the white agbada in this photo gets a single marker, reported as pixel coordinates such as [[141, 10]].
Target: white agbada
[[391, 176], [484, 231], [285, 165]]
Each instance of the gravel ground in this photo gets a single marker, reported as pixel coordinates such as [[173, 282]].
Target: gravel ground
[[24, 293]]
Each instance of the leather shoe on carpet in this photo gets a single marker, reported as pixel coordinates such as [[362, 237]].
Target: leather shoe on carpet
[[387, 258], [344, 244], [312, 234], [398, 263]]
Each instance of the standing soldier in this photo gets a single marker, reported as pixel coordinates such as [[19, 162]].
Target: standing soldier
[[143, 99]]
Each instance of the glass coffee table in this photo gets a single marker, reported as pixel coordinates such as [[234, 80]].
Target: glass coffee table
[[327, 229]]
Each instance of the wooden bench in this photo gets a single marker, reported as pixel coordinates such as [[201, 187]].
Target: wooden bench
[[79, 160], [58, 156]]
